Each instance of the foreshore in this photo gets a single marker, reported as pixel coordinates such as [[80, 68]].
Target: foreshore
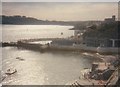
[[105, 77]]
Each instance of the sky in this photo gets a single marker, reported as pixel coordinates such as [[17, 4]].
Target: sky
[[61, 11], [59, 0]]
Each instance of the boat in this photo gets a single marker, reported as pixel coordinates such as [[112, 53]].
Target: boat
[[10, 72], [19, 58]]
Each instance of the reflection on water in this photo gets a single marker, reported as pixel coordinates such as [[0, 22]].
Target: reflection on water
[[17, 32], [49, 68], [44, 68]]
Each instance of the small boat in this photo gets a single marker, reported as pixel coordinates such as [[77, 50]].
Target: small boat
[[10, 72], [19, 58], [61, 33]]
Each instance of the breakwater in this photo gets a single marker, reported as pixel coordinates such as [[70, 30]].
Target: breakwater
[[5, 44], [34, 44], [27, 44]]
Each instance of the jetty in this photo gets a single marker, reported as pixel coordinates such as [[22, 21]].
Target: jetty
[[5, 44], [58, 44], [28, 42]]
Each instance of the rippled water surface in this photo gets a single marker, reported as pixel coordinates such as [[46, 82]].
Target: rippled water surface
[[16, 32], [49, 68]]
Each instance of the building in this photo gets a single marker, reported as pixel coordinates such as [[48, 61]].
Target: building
[[102, 40], [108, 20], [95, 42]]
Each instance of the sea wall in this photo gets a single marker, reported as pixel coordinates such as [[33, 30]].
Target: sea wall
[[108, 50], [86, 48], [102, 50], [57, 47], [73, 48]]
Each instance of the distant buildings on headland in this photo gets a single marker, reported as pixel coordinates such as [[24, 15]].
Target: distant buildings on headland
[[108, 20], [99, 37], [105, 34]]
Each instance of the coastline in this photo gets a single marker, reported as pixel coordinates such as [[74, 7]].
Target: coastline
[[51, 47]]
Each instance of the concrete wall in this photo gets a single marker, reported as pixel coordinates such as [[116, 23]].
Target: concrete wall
[[108, 50], [74, 48], [83, 47]]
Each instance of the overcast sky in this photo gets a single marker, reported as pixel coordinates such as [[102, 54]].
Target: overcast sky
[[77, 11], [60, 0]]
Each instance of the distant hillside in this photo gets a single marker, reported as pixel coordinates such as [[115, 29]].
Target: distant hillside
[[23, 20]]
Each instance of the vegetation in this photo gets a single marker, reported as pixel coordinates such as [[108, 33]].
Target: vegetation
[[18, 20], [23, 20], [104, 30]]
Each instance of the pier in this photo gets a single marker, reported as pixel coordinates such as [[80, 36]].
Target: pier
[[59, 44], [39, 39], [6, 44], [30, 44], [26, 41]]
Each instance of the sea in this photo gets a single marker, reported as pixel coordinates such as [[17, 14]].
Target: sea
[[48, 68]]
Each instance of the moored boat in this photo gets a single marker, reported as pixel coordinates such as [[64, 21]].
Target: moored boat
[[10, 72]]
